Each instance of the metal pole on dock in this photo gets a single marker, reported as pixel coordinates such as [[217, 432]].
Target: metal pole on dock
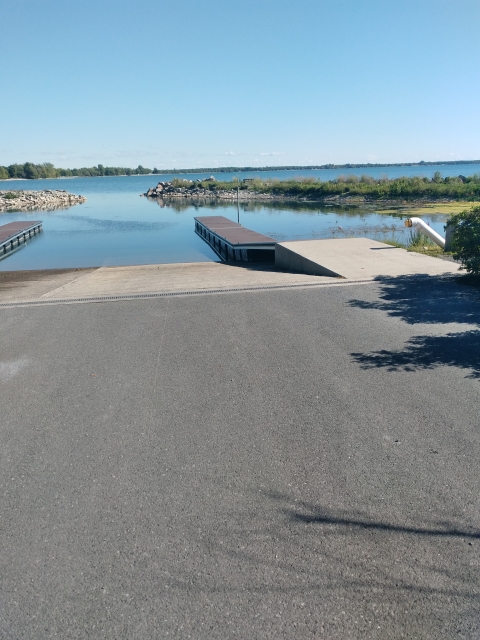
[[238, 203]]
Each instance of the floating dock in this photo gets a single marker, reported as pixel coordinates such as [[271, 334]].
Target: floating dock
[[13, 234], [232, 242]]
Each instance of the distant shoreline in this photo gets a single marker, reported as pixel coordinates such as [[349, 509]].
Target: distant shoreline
[[122, 175], [322, 167], [29, 171]]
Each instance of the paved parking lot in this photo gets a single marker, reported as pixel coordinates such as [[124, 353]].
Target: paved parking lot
[[280, 464]]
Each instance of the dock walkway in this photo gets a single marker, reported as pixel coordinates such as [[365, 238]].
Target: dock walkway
[[231, 241], [13, 234]]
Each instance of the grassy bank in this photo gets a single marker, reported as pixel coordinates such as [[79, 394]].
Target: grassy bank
[[353, 188], [419, 243], [425, 208]]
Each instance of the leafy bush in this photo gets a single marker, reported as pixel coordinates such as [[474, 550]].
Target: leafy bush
[[10, 196], [181, 183], [466, 239]]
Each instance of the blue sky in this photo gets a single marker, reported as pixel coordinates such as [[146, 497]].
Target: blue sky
[[192, 83]]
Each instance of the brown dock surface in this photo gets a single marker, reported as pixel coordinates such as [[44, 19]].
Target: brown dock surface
[[232, 241], [217, 222], [13, 234], [13, 229]]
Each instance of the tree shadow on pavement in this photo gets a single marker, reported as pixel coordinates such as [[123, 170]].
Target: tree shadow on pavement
[[432, 301], [461, 350], [426, 299]]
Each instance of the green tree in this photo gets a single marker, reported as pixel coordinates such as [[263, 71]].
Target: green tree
[[30, 171], [466, 239], [3, 173], [49, 170], [15, 171]]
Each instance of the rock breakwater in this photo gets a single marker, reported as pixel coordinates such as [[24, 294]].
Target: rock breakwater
[[210, 190], [46, 200], [196, 189]]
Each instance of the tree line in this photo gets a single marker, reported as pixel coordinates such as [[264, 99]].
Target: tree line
[[30, 171], [368, 165]]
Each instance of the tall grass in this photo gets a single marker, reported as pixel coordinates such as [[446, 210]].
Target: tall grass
[[405, 188]]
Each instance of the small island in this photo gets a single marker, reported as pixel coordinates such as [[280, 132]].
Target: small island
[[344, 190], [46, 200]]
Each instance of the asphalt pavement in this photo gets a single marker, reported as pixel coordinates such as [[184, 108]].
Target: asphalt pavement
[[299, 463]]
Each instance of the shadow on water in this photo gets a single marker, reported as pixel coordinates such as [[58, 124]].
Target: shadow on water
[[431, 301]]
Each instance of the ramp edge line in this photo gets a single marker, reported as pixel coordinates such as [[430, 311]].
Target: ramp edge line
[[171, 294]]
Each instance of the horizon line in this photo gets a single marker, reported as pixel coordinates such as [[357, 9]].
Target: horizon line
[[347, 165]]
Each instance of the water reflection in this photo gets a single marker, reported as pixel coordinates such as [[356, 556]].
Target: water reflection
[[183, 204], [296, 220], [121, 228], [37, 207]]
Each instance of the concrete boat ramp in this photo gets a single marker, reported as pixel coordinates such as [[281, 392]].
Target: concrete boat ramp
[[316, 263], [350, 258], [250, 261], [356, 259]]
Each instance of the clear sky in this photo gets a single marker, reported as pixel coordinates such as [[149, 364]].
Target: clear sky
[[192, 83]]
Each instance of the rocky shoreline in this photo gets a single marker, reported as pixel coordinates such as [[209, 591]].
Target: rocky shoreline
[[165, 190], [195, 190], [46, 200]]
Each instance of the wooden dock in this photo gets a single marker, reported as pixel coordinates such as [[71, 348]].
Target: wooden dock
[[13, 234], [232, 242]]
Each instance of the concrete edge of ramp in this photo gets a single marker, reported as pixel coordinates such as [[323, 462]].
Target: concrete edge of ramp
[[44, 302], [290, 260], [353, 258], [159, 281]]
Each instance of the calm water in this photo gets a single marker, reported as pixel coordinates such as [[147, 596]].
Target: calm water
[[117, 227]]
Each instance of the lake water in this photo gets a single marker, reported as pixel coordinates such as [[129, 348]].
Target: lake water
[[117, 227]]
